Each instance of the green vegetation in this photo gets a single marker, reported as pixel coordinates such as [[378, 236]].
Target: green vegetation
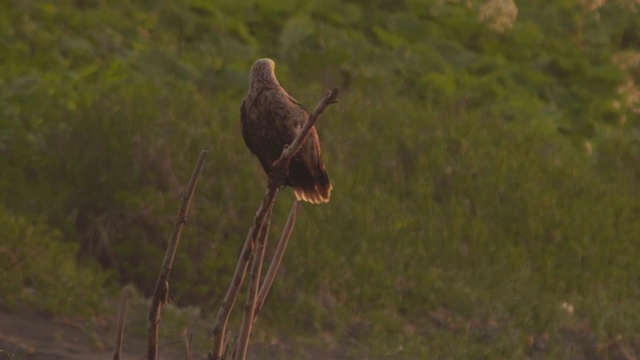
[[485, 166], [39, 270]]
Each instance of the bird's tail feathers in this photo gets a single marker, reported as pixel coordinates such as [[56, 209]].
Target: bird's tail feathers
[[317, 195]]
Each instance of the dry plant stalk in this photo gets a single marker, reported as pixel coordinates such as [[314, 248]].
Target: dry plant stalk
[[220, 327], [277, 175], [161, 291], [294, 147], [188, 342], [277, 258], [254, 284], [122, 318]]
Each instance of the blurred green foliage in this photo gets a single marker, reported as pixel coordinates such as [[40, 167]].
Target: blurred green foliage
[[39, 270], [485, 163]]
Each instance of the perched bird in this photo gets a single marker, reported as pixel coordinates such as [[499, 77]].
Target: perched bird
[[271, 119]]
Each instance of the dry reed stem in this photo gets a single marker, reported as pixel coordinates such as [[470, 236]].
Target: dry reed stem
[[289, 151], [161, 291], [219, 329], [252, 291], [122, 318], [277, 258], [188, 343]]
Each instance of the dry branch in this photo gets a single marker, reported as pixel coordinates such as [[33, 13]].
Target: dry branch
[[252, 292], [277, 258], [122, 317], [162, 286], [188, 342], [281, 166], [219, 329], [279, 172]]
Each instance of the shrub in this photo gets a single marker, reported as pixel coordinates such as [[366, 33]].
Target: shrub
[[39, 269]]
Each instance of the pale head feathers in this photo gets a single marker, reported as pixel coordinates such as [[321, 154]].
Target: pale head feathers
[[263, 74]]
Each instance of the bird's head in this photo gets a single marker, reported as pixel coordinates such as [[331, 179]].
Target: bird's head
[[263, 74]]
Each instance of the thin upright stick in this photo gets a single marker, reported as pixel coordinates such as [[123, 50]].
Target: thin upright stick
[[252, 292], [229, 300], [278, 172], [122, 317], [162, 286], [188, 342], [277, 258]]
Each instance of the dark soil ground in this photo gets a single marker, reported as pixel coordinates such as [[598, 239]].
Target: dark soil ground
[[28, 335]]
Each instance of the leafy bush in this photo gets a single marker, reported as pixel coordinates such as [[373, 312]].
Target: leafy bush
[[40, 270]]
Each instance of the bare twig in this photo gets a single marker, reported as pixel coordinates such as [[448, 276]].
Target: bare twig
[[229, 300], [122, 317], [162, 286], [252, 292], [276, 177], [277, 258], [289, 151], [188, 342]]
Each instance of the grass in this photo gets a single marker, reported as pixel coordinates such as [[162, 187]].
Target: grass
[[29, 252]]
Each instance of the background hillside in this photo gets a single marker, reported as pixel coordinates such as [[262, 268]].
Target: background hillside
[[484, 156]]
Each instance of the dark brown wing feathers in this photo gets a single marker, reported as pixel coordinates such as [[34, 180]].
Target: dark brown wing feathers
[[270, 120]]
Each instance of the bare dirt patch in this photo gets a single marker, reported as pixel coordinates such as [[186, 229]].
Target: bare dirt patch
[[29, 335]]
